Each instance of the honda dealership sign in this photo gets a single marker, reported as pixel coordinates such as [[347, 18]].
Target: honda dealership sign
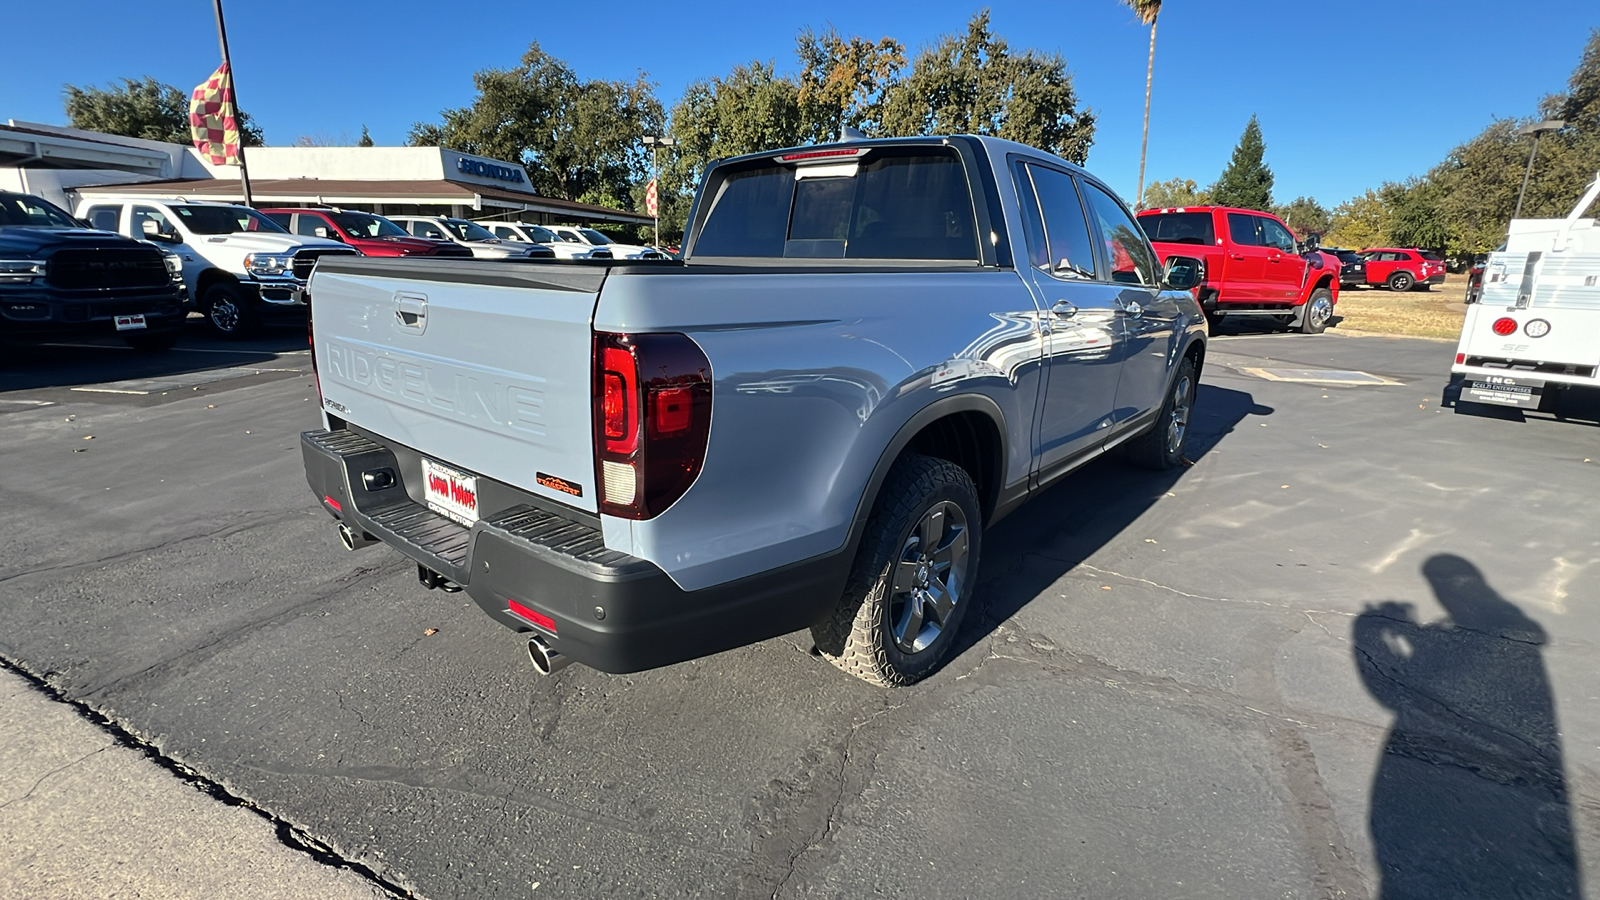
[[465, 168]]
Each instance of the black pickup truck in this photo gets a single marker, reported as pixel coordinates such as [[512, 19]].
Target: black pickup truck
[[58, 277]]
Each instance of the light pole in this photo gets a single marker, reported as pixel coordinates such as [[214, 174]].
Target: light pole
[[654, 141], [1536, 130]]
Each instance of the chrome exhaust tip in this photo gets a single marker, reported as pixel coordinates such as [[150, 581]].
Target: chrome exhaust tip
[[353, 540], [546, 660]]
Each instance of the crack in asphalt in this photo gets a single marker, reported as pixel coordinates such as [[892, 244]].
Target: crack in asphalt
[[288, 834], [341, 584], [56, 771], [831, 819], [245, 520]]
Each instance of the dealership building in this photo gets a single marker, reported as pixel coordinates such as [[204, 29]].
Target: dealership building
[[69, 165]]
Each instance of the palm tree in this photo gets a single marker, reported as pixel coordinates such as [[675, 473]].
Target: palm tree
[[1146, 10]]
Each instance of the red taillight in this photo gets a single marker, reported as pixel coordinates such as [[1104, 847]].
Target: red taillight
[[1461, 358], [1505, 326], [619, 400], [652, 420]]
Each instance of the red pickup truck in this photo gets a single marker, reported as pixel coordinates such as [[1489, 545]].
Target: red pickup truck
[[1254, 264]]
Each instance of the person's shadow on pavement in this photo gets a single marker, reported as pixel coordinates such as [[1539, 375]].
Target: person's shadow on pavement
[[1469, 799]]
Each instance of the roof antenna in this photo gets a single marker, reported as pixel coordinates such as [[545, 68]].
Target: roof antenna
[[847, 133]]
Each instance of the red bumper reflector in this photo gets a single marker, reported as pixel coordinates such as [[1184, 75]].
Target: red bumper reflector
[[332, 502], [537, 618], [1460, 358]]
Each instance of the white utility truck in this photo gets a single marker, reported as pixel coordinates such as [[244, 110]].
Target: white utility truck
[[1535, 330]]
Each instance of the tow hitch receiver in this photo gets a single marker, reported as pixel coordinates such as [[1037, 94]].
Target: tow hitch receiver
[[432, 580]]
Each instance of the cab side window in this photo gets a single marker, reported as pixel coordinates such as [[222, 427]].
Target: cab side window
[[1275, 235], [428, 230], [106, 217], [1066, 230], [313, 226], [1132, 260], [1244, 230], [143, 214]]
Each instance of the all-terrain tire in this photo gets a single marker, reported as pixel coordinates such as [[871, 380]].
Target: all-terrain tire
[[864, 633]]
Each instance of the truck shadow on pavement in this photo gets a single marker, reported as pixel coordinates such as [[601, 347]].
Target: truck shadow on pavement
[[1469, 798], [72, 361], [1051, 534]]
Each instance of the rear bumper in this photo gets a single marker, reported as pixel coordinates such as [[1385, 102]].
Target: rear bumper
[[609, 610], [1435, 279]]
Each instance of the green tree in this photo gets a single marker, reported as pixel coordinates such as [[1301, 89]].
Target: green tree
[[1146, 11], [1305, 216], [749, 110], [366, 138], [576, 138], [973, 83], [844, 81], [143, 108], [1359, 223], [1173, 192], [1414, 214], [1247, 181]]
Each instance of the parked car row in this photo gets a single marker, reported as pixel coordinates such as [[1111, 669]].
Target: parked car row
[[136, 266], [1395, 268]]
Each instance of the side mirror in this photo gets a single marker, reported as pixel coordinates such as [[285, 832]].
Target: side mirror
[[1312, 242], [1183, 273], [153, 232]]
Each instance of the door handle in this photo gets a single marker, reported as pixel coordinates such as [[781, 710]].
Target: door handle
[[1132, 308], [1063, 310], [411, 312], [1236, 255]]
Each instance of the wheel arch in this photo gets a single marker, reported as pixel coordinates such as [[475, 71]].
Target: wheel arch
[[967, 429], [210, 278]]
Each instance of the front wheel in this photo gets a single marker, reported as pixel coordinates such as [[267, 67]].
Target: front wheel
[[913, 577], [1318, 313], [229, 312], [1161, 447], [1401, 281]]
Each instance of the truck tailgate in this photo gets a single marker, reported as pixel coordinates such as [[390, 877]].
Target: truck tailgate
[[481, 366]]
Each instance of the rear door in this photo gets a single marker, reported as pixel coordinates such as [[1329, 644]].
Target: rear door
[[1079, 309], [484, 371], [1247, 261]]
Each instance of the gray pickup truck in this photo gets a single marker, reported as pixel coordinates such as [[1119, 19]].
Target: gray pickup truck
[[870, 352]]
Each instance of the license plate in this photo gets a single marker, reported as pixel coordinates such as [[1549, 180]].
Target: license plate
[[450, 493], [130, 323], [1505, 392]]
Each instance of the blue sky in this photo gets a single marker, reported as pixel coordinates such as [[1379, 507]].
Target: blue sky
[[1349, 94]]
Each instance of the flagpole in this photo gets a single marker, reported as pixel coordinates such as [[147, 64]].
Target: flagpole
[[222, 36]]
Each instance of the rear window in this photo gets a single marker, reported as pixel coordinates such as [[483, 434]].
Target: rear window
[[1430, 256], [902, 203], [1179, 228]]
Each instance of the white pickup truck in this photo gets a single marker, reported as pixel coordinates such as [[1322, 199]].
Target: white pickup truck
[[588, 237], [239, 266], [871, 352], [1533, 334]]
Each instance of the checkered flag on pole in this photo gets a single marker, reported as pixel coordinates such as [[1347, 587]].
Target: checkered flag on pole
[[212, 119]]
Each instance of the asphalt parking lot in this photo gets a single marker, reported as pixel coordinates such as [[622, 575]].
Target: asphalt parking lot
[[1347, 653]]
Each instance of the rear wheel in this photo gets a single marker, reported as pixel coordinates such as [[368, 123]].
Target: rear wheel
[[1318, 313], [1401, 281], [229, 312], [913, 576], [1161, 447]]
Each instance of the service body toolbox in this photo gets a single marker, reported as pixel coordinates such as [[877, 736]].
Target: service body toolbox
[[1536, 327]]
